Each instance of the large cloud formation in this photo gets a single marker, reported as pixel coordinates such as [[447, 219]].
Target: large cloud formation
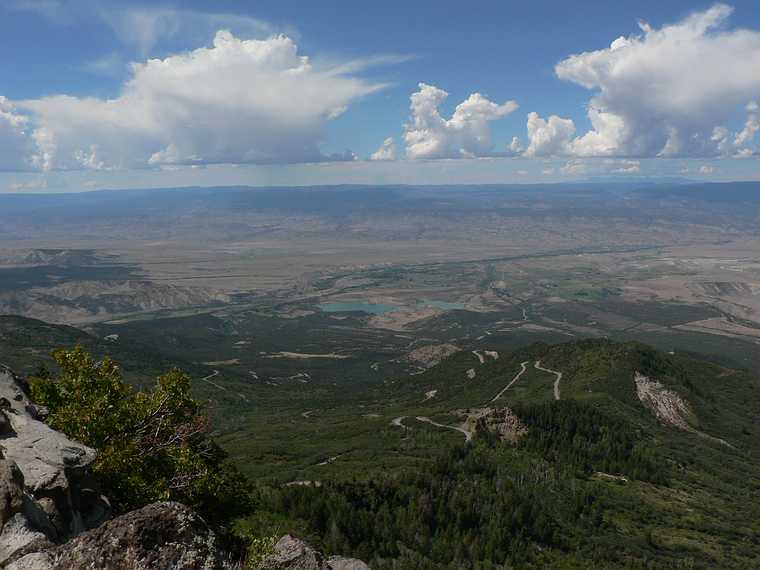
[[466, 134], [387, 151], [237, 101], [666, 92], [16, 149], [548, 137]]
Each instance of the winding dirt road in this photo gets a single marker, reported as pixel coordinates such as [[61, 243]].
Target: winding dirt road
[[550, 371], [524, 367], [467, 433], [429, 395], [214, 374], [399, 422]]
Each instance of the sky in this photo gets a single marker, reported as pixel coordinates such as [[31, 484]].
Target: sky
[[117, 94]]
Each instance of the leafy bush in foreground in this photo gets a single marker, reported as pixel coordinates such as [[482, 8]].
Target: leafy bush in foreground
[[152, 445]]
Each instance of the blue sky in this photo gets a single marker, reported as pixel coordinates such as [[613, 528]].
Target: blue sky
[[127, 94]]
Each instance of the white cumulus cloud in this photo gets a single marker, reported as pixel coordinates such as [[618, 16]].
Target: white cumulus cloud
[[16, 145], [237, 101], [466, 134], [547, 137], [626, 167], [751, 126], [387, 150], [662, 92], [575, 166], [601, 166], [514, 148]]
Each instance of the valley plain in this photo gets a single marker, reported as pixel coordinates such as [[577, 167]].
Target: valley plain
[[315, 322]]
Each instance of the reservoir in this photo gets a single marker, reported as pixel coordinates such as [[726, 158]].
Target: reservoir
[[357, 306], [382, 308]]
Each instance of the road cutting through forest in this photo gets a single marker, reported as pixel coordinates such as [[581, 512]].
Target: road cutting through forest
[[523, 368], [550, 371]]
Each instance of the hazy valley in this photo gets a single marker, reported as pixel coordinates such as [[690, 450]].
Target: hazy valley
[[348, 334]]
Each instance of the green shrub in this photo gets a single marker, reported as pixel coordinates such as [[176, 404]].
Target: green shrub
[[258, 549], [152, 445]]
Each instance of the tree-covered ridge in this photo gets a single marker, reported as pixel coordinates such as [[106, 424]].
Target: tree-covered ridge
[[486, 504], [582, 440], [597, 480]]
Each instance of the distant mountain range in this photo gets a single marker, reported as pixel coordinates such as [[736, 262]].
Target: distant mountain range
[[240, 212]]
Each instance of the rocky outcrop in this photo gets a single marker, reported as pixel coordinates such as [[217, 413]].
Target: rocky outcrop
[[342, 563], [46, 492], [430, 355], [668, 406], [291, 553], [53, 518], [161, 535], [502, 422]]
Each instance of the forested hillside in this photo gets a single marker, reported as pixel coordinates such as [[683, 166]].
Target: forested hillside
[[589, 453], [598, 479]]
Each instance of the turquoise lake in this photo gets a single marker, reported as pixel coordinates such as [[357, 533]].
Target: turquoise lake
[[357, 306], [381, 308]]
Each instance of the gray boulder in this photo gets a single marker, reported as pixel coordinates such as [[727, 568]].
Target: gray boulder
[[160, 536], [11, 490], [18, 538], [291, 553], [342, 563], [47, 458], [46, 492], [33, 561]]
